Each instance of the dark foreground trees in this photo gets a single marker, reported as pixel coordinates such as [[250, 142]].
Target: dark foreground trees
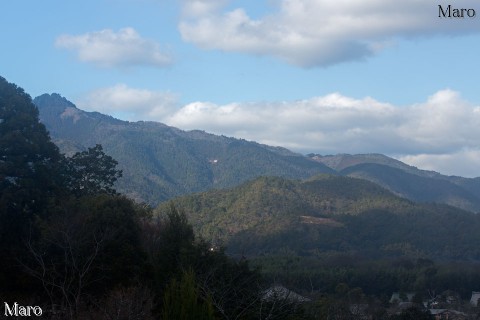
[[42, 193], [184, 267], [28, 175], [85, 248]]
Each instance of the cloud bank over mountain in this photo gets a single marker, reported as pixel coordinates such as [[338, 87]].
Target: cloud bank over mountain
[[439, 133], [130, 103], [311, 33]]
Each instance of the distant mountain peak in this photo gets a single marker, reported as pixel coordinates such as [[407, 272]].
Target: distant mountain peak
[[55, 106], [53, 100]]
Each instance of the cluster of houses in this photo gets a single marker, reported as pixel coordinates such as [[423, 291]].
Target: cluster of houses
[[448, 306], [441, 309]]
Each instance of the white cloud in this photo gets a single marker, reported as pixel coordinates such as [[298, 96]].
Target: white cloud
[[319, 32], [442, 123], [194, 8], [462, 163], [440, 133], [130, 103], [107, 48]]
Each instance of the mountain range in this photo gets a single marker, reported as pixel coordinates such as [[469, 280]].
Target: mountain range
[[160, 162]]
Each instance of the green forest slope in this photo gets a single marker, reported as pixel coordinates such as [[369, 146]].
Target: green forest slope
[[330, 214]]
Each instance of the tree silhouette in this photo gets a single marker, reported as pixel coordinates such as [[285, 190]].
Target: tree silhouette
[[92, 172], [29, 175]]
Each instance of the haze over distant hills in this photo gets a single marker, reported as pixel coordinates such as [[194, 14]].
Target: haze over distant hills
[[407, 181], [160, 162]]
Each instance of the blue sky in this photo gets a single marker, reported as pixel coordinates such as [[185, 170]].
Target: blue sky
[[347, 76]]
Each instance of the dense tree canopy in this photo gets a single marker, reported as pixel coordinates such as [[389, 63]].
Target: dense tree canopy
[[27, 156], [91, 172], [29, 166]]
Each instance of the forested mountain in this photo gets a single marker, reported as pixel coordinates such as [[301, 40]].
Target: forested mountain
[[407, 181], [330, 214], [159, 161]]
